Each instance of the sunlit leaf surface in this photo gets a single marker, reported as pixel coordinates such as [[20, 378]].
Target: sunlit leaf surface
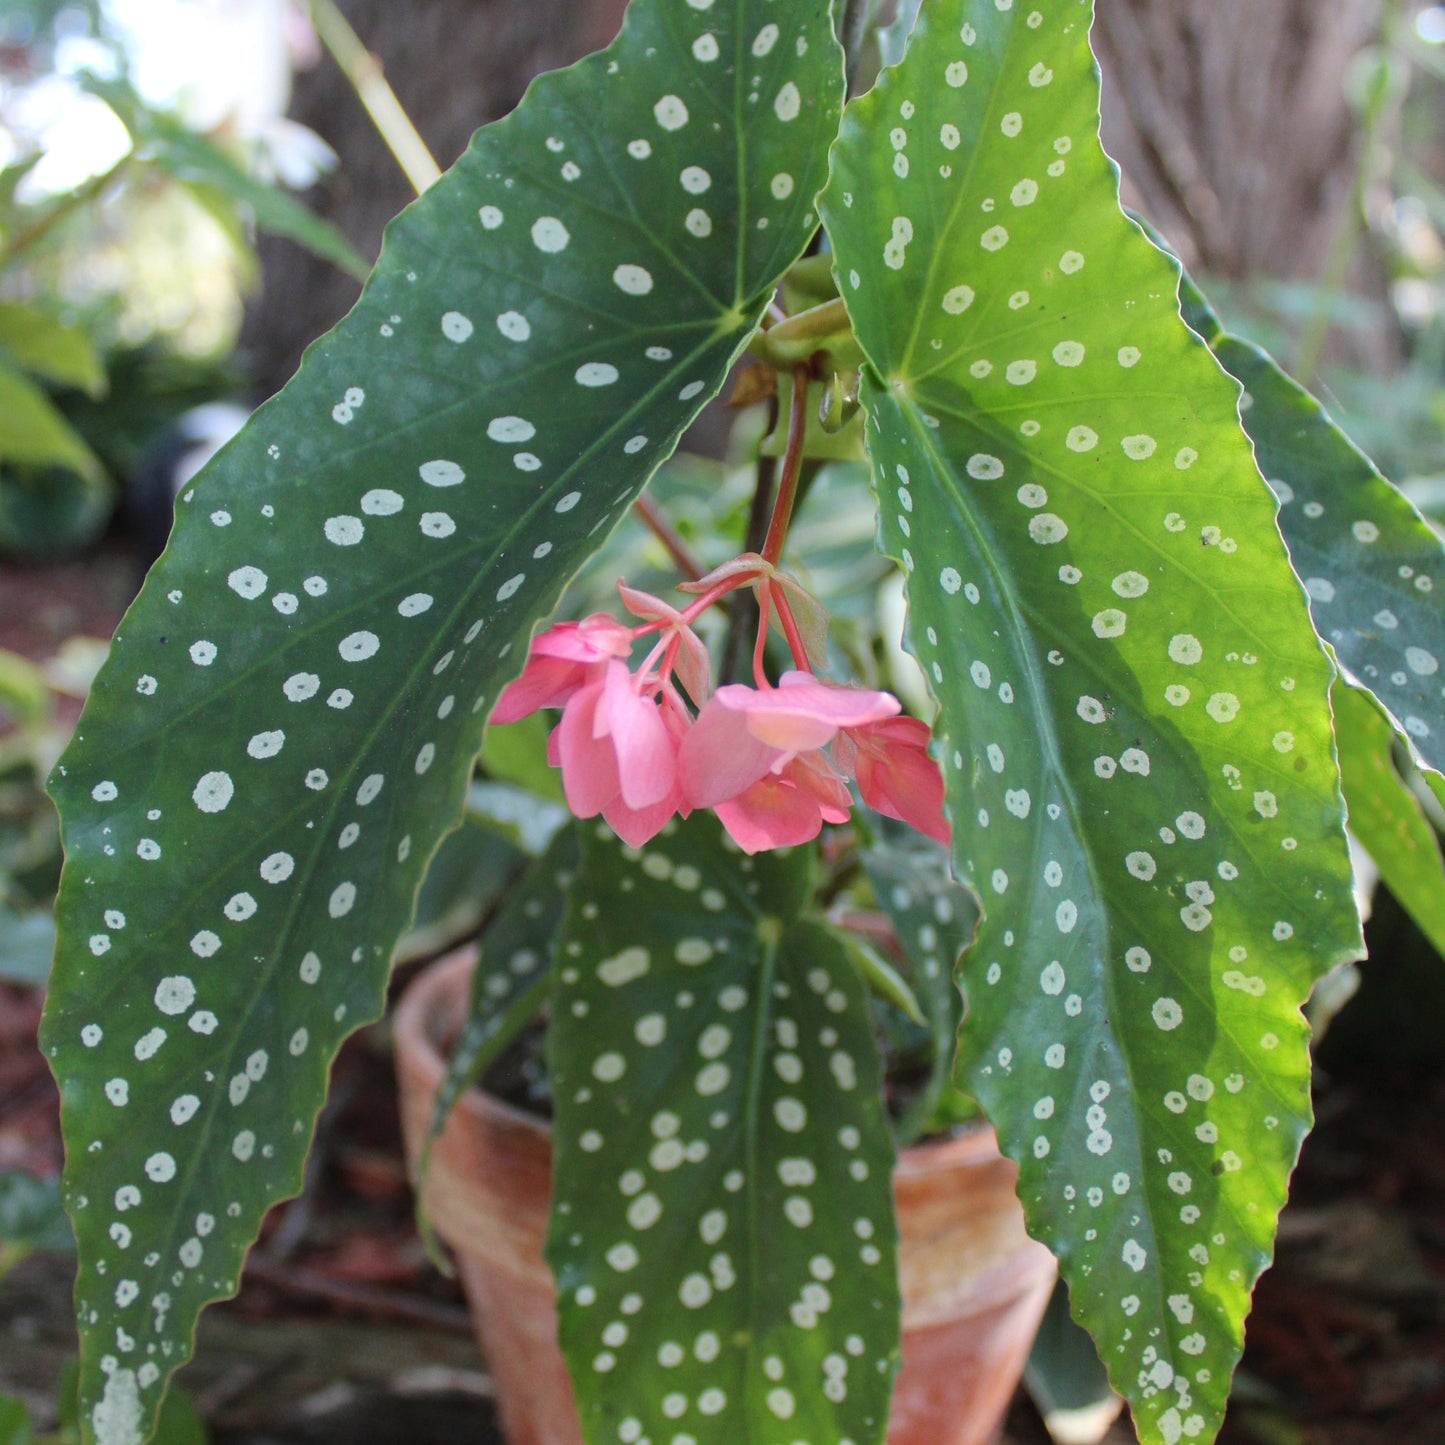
[[1134, 714]]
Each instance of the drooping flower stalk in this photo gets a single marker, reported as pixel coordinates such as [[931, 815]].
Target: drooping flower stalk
[[771, 760]]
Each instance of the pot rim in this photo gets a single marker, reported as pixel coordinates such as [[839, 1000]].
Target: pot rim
[[421, 1009]]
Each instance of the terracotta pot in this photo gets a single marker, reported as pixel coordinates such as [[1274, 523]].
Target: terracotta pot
[[974, 1284]]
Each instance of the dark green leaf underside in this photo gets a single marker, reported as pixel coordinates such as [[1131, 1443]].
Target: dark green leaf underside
[[287, 722], [1385, 816], [1369, 561], [1133, 704]]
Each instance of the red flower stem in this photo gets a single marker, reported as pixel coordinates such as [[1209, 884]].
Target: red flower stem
[[792, 467], [790, 630], [718, 590], [760, 647], [681, 554]]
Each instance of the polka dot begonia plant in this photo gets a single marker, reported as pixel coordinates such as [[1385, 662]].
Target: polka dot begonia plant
[[1132, 771]]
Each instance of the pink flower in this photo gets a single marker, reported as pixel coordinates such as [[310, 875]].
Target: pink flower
[[745, 734], [895, 773], [560, 662], [618, 754], [785, 810]]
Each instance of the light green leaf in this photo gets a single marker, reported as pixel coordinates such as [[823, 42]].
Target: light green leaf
[[24, 692], [1386, 816], [39, 344], [1134, 715], [517, 753], [286, 725], [1369, 560], [35, 433], [527, 821], [200, 164], [722, 1232], [14, 1422]]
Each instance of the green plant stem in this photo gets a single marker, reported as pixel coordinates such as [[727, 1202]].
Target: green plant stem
[[364, 72], [80, 197], [682, 555], [792, 465], [1345, 244]]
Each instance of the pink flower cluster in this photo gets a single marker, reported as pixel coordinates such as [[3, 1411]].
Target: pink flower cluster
[[771, 761]]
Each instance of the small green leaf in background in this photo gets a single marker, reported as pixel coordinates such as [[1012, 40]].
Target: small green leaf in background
[[287, 723], [43, 346], [722, 1233], [24, 691], [34, 432], [512, 976], [1133, 705], [517, 753], [1066, 1381], [472, 869], [31, 1218], [1385, 815], [14, 1422], [1369, 561], [935, 919], [198, 163], [27, 944]]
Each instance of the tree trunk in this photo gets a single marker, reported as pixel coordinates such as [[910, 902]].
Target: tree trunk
[[1229, 120]]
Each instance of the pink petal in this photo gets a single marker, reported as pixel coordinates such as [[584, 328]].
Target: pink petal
[[645, 750], [693, 666], [745, 565], [589, 764], [720, 757], [636, 826], [772, 813], [897, 776], [594, 639], [545, 682], [811, 773], [801, 713]]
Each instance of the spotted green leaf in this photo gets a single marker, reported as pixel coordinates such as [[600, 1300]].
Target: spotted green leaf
[[1369, 560], [1386, 816], [1133, 705], [722, 1231], [287, 721], [934, 919]]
